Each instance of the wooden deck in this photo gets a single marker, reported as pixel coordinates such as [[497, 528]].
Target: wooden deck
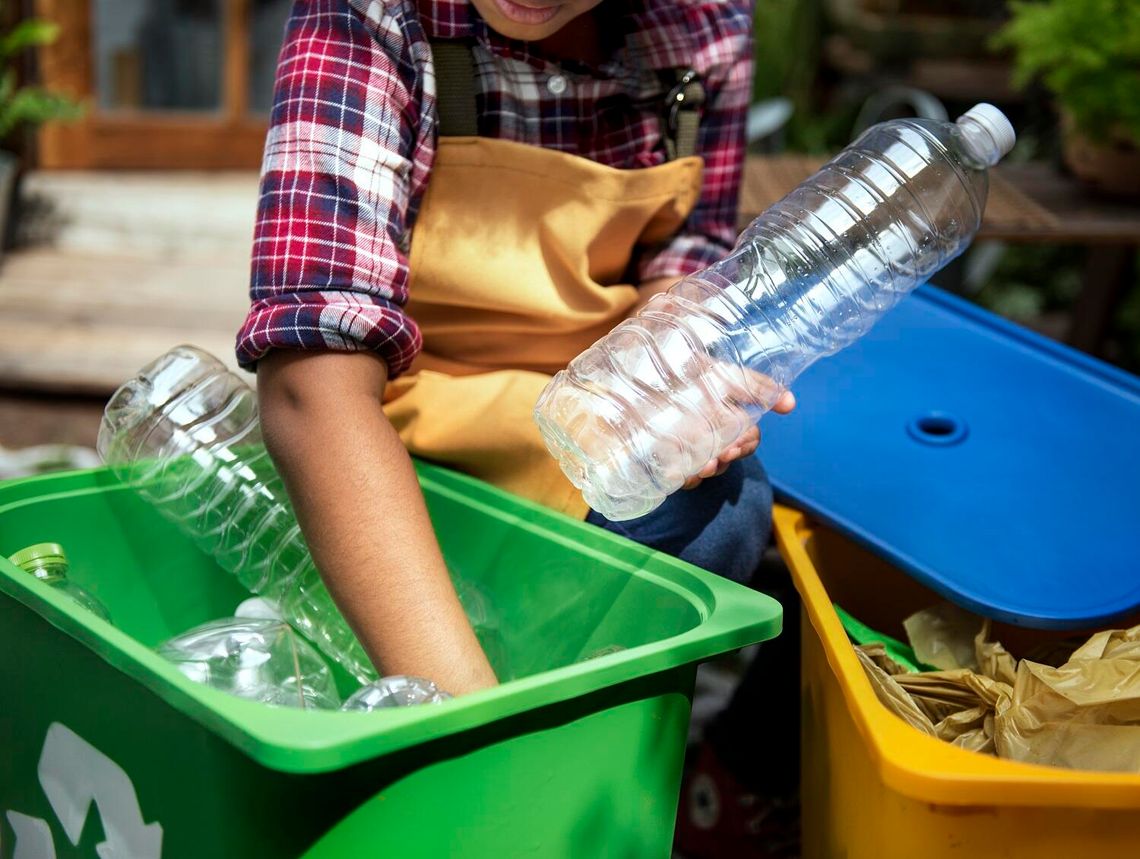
[[136, 264], [1028, 203], [82, 324]]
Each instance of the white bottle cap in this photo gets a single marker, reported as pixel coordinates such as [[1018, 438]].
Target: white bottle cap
[[994, 122], [259, 608]]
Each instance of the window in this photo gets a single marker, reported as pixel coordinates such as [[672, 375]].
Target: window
[[168, 83]]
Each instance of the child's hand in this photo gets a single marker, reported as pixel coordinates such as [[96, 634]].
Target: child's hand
[[745, 445]]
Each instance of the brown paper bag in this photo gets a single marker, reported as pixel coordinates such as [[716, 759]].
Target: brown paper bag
[[1083, 714]]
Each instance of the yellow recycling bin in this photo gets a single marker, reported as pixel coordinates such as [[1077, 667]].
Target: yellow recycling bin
[[876, 788]]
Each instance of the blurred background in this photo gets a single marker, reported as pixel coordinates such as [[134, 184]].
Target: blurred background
[[131, 134]]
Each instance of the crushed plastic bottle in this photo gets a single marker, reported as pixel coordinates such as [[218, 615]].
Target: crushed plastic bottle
[[257, 659], [648, 405], [48, 563], [396, 690], [184, 433]]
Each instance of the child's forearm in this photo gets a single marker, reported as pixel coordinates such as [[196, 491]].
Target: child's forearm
[[363, 514]]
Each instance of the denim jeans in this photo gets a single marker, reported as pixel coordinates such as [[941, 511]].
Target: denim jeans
[[723, 526]]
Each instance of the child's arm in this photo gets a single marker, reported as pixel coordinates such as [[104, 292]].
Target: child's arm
[[347, 153], [361, 510]]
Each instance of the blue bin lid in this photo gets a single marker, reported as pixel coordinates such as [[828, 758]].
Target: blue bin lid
[[994, 465]]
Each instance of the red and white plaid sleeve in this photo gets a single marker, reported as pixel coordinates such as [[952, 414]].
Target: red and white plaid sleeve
[[710, 232], [348, 149]]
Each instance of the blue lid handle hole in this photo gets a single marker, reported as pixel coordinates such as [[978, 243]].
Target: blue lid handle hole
[[937, 428]]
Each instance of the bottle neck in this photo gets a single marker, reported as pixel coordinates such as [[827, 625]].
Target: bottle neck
[[48, 572], [978, 143]]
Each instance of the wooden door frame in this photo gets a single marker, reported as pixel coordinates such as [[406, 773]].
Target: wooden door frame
[[228, 139]]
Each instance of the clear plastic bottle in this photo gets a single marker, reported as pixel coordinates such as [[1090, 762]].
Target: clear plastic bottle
[[184, 433], [48, 563], [259, 659], [395, 690], [644, 408]]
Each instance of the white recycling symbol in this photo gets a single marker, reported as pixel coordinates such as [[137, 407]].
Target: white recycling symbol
[[74, 775]]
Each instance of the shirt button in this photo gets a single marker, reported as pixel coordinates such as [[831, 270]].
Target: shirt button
[[556, 84]]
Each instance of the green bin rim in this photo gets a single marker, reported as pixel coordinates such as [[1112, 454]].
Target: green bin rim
[[292, 740]]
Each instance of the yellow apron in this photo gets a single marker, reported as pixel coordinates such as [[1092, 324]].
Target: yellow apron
[[516, 265]]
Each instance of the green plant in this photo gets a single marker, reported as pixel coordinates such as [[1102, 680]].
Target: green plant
[[788, 40], [28, 105], [1087, 53], [1030, 281]]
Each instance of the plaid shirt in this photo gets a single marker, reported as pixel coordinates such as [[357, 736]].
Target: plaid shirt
[[353, 135]]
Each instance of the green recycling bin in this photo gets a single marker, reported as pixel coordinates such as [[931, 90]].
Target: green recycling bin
[[110, 751]]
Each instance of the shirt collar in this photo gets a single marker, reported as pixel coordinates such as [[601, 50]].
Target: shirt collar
[[449, 19]]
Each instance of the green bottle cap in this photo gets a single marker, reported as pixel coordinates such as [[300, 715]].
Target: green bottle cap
[[39, 554]]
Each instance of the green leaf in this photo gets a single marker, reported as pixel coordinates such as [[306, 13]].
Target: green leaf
[[34, 106], [1086, 52], [28, 34], [20, 105]]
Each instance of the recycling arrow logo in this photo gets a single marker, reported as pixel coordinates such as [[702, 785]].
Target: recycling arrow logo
[[74, 776]]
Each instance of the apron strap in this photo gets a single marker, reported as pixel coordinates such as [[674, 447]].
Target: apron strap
[[682, 119], [458, 117], [455, 89]]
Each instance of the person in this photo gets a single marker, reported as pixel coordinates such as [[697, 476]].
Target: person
[[457, 198]]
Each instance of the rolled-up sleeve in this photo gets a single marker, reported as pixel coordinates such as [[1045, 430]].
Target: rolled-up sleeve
[[709, 232], [344, 154]]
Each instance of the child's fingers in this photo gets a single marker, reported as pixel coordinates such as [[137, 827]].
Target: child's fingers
[[745, 445], [709, 469], [785, 404], [748, 448], [749, 436]]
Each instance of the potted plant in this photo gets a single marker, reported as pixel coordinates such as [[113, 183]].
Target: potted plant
[[21, 106], [1087, 54]]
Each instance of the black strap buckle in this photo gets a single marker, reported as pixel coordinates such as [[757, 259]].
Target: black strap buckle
[[687, 94]]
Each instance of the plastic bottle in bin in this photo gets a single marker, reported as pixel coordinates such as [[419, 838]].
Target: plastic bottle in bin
[[395, 690], [48, 563], [260, 659], [184, 433], [644, 408]]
